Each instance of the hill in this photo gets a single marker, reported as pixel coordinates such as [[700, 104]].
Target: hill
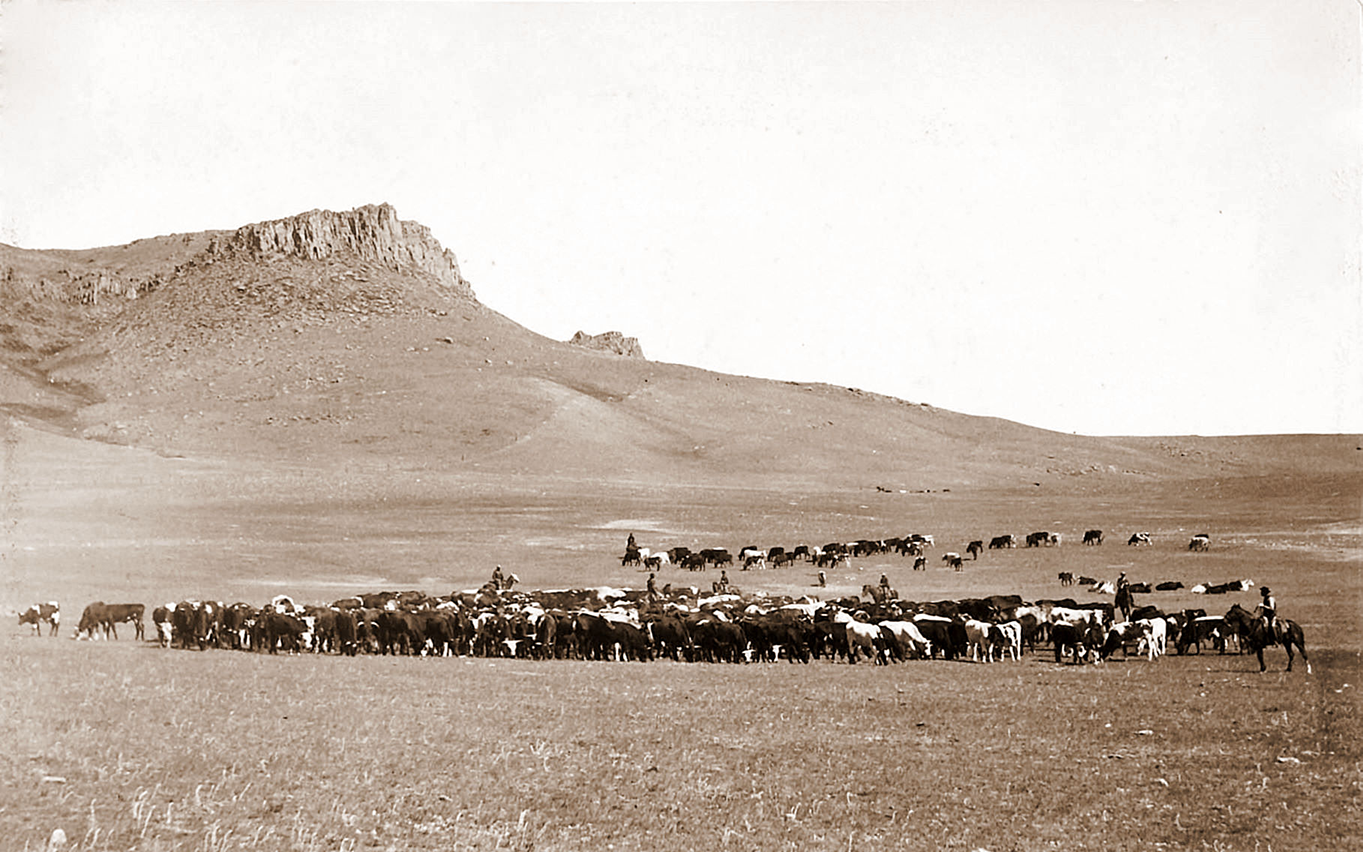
[[328, 337]]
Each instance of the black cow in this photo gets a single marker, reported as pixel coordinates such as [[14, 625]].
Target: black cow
[[281, 631], [671, 638], [191, 624], [1037, 539], [1075, 637], [1001, 542], [346, 632], [717, 556], [1093, 537], [693, 562], [949, 637], [974, 548]]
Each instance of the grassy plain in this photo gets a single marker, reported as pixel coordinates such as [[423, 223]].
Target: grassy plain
[[125, 746]]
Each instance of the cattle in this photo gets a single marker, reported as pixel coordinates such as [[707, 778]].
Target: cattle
[[1169, 586], [1202, 628], [1066, 578], [346, 633], [1154, 638], [1008, 637], [868, 637], [1037, 539], [1119, 635], [161, 618], [1222, 588], [282, 631], [828, 558], [1200, 542], [1070, 615], [906, 637], [718, 641], [1080, 639], [750, 553], [981, 640], [1002, 542], [107, 617], [1093, 537], [671, 638], [40, 613], [952, 559], [920, 563], [1139, 538], [907, 547], [974, 548], [944, 634], [717, 556], [190, 624], [693, 562]]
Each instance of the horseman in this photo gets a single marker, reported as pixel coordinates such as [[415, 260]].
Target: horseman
[[1123, 600], [884, 583], [497, 578], [1268, 610]]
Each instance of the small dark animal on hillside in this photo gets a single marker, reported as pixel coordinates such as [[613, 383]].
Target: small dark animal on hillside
[[974, 548], [1066, 578], [1093, 537]]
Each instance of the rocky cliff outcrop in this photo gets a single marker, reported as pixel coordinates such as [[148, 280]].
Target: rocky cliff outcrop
[[611, 341], [373, 233]]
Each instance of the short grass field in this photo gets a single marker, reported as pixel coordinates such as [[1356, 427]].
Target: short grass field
[[125, 746]]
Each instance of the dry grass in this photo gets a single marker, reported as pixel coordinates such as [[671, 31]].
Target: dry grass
[[221, 750]]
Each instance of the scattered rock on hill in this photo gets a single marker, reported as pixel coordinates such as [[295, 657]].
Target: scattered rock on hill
[[611, 341]]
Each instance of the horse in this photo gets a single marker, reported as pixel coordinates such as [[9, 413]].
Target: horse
[[1125, 601], [1256, 636]]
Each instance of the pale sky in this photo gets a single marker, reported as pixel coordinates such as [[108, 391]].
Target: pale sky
[[1101, 217]]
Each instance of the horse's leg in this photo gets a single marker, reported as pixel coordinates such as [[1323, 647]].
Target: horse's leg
[[1260, 652], [1296, 638]]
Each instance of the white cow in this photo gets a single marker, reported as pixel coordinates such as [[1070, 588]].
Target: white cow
[[1009, 636], [980, 636], [1154, 639], [909, 636]]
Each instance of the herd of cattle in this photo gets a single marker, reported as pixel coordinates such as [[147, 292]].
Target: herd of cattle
[[683, 624], [833, 553]]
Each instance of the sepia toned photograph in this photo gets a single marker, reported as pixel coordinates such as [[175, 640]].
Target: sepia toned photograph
[[833, 427]]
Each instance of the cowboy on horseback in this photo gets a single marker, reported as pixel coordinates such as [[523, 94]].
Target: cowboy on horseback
[[1268, 609]]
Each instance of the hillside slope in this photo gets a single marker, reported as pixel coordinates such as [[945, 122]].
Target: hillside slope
[[351, 338]]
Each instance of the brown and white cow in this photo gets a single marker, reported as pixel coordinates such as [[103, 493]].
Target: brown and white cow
[[38, 613]]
